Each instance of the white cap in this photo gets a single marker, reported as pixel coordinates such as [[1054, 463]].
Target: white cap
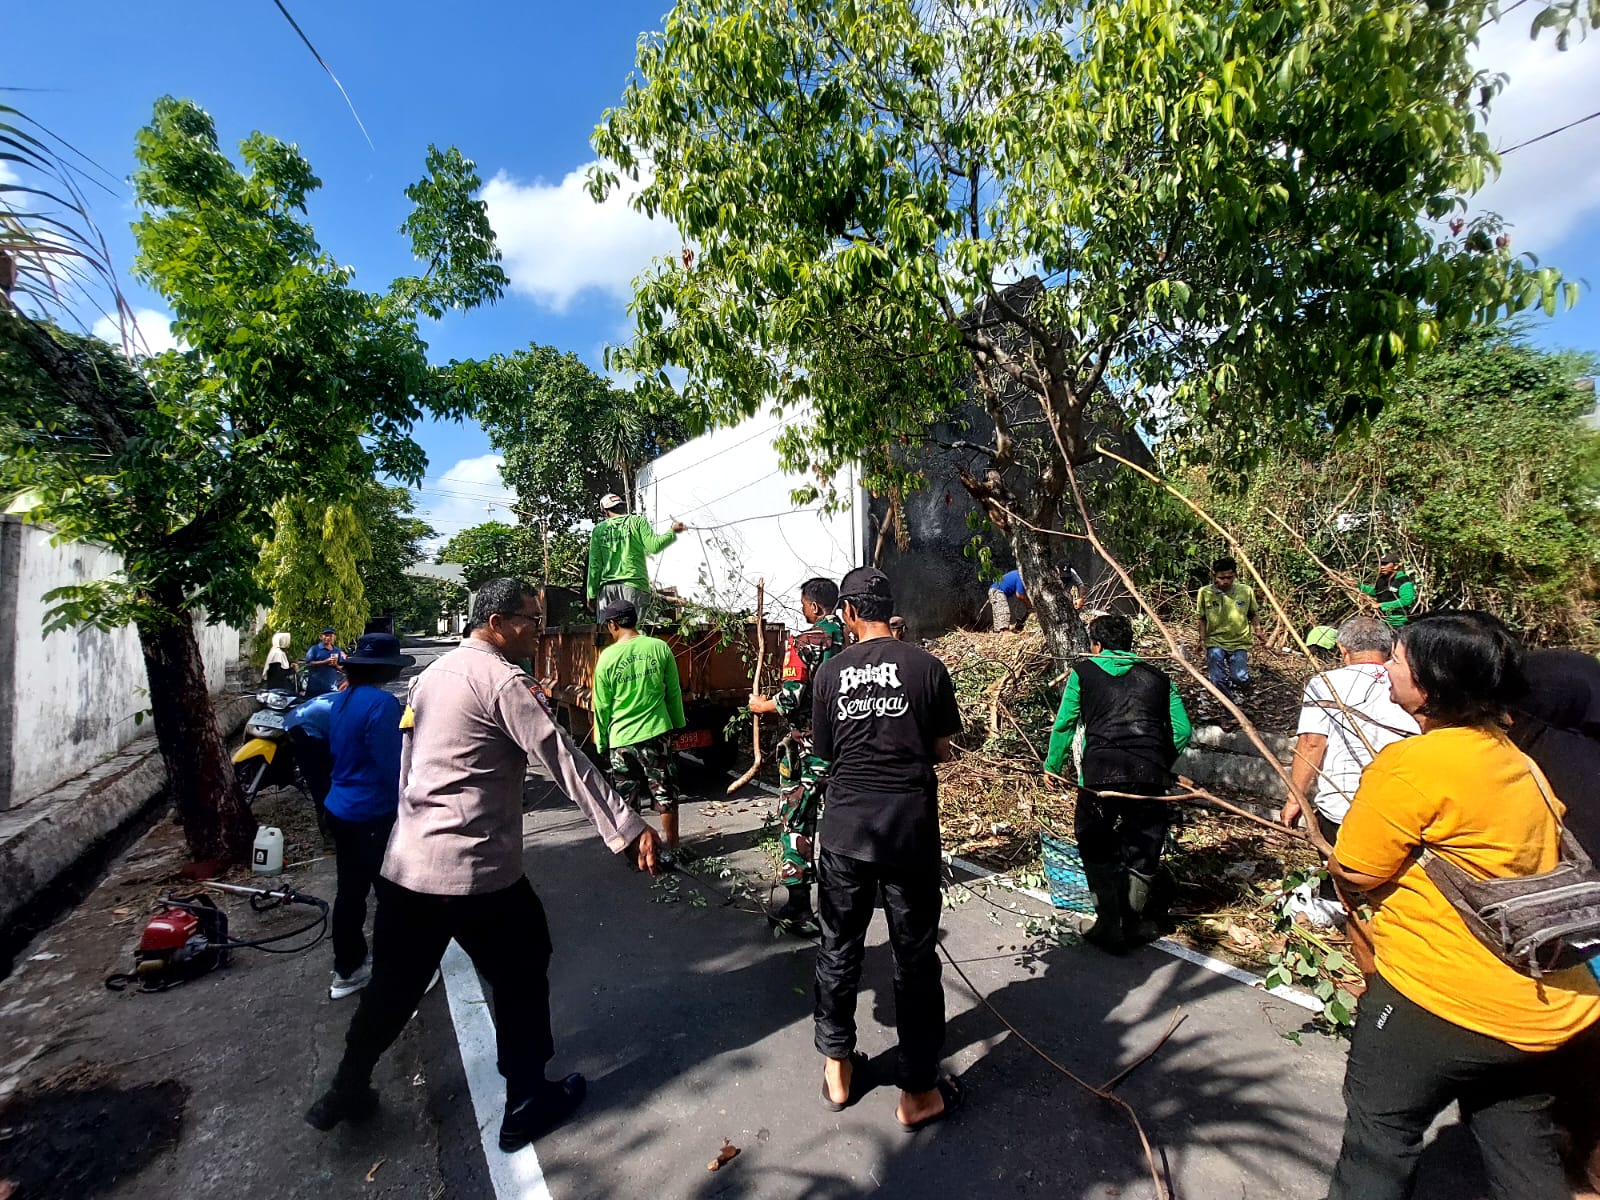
[[611, 501]]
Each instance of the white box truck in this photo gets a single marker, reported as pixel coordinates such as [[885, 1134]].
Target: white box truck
[[730, 489]]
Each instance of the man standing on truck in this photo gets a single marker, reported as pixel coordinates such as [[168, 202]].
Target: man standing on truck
[[638, 702], [618, 548], [799, 770]]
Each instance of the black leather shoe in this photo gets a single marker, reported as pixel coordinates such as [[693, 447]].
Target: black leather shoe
[[530, 1119], [341, 1104]]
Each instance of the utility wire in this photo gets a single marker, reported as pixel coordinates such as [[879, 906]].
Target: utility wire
[[1551, 133], [295, 25]]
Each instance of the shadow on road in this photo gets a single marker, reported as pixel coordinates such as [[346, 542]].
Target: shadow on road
[[693, 1024]]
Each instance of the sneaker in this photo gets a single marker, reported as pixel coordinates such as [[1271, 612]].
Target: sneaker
[[349, 985], [342, 1104], [539, 1114]]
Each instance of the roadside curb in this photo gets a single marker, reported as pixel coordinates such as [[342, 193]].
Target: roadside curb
[[43, 840], [1215, 965]]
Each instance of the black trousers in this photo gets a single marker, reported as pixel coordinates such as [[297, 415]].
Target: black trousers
[[316, 765], [1116, 832], [1405, 1066], [359, 847], [846, 891], [506, 936], [1330, 834]]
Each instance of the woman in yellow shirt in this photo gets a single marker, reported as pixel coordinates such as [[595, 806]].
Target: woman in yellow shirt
[[1444, 1019]]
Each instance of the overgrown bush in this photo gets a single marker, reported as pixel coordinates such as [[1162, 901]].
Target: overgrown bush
[[1482, 471]]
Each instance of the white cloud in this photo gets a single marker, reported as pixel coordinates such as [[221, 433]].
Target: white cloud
[[149, 333], [1546, 189], [469, 493], [558, 243], [8, 173]]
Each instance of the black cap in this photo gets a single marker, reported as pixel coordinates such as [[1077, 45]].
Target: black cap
[[866, 581], [378, 650], [1387, 558], [328, 630], [617, 610]]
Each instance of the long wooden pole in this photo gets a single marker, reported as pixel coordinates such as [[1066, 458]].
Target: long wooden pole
[[761, 658]]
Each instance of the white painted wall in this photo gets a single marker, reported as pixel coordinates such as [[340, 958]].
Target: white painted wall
[[78, 691], [728, 487]]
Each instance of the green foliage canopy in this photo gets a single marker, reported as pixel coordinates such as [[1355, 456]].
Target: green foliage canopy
[[1232, 208], [289, 381], [496, 549], [396, 535], [567, 435], [312, 567], [1483, 473]]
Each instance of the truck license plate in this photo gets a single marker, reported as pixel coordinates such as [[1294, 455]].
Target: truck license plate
[[692, 739]]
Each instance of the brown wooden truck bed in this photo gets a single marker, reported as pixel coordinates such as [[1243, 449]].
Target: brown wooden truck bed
[[715, 671]]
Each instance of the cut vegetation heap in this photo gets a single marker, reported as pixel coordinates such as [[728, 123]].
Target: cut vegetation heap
[[1229, 875]]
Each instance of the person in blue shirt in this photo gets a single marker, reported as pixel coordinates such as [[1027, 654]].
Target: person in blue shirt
[[364, 741], [323, 662], [1009, 605]]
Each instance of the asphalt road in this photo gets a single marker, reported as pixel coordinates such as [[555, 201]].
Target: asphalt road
[[692, 1023]]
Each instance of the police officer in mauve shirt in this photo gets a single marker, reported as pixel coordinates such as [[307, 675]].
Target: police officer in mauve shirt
[[454, 865], [883, 714]]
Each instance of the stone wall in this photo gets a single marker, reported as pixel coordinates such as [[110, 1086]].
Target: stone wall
[[72, 698]]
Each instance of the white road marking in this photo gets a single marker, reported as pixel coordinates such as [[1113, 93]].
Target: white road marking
[[513, 1176], [1216, 966]]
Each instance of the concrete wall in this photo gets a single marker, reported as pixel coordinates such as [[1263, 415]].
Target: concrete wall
[[70, 698]]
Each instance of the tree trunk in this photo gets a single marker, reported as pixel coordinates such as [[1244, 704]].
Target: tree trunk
[[200, 774], [1041, 563]]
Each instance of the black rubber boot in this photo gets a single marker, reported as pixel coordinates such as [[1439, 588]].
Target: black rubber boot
[[1107, 885], [345, 1100], [530, 1117], [795, 916], [1137, 928]]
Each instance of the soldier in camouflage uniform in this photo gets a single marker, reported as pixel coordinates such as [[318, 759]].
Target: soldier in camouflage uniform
[[799, 771]]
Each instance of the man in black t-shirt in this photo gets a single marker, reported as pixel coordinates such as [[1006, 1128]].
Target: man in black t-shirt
[[883, 712]]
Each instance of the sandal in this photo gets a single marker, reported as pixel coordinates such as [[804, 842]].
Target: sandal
[[858, 1066], [954, 1096]]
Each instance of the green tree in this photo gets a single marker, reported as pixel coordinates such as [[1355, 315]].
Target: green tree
[[290, 382], [1481, 472], [1231, 210], [567, 435], [494, 549], [426, 600], [313, 569], [396, 534]]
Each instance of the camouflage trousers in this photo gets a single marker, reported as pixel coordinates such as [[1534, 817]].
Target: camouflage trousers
[[799, 804], [646, 773]]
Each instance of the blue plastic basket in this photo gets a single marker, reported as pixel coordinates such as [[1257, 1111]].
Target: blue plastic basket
[[1063, 869]]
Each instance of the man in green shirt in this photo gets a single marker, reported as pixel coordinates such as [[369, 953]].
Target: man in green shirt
[[618, 548], [1123, 721], [638, 702], [1229, 622], [1394, 591]]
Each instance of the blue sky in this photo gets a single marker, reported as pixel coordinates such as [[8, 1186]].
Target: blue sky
[[519, 88]]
